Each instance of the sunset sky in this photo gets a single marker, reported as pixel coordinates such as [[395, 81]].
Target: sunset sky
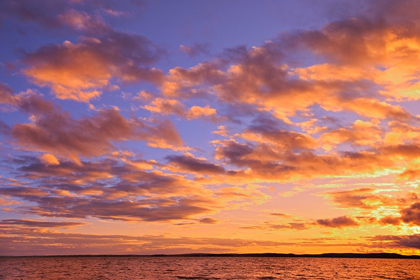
[[150, 127]]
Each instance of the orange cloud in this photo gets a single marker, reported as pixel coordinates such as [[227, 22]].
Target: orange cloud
[[357, 48], [196, 112], [58, 133], [166, 107], [173, 106], [83, 70], [359, 133], [369, 198], [49, 159]]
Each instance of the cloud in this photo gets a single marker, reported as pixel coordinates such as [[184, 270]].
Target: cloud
[[369, 198], [195, 49], [281, 215], [411, 215], [397, 241], [285, 226], [81, 21], [56, 132], [81, 71], [119, 190], [259, 160], [14, 240], [366, 198], [338, 222], [190, 163], [268, 131], [49, 159], [261, 80], [197, 112], [34, 223], [6, 94], [390, 220], [360, 133], [292, 226], [166, 107], [400, 132], [187, 83], [208, 221], [172, 106], [55, 204], [42, 12], [373, 56], [355, 198]]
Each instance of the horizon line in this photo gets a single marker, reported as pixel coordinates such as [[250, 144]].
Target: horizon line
[[292, 255]]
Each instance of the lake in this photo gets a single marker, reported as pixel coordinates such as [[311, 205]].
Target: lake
[[206, 268]]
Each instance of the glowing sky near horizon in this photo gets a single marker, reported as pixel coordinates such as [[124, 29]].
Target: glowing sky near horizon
[[149, 127]]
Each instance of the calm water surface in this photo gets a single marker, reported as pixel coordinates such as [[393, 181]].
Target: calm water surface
[[206, 268]]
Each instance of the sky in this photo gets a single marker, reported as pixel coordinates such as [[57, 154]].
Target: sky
[[166, 127]]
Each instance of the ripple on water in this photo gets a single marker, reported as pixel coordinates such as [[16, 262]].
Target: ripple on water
[[79, 268]]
